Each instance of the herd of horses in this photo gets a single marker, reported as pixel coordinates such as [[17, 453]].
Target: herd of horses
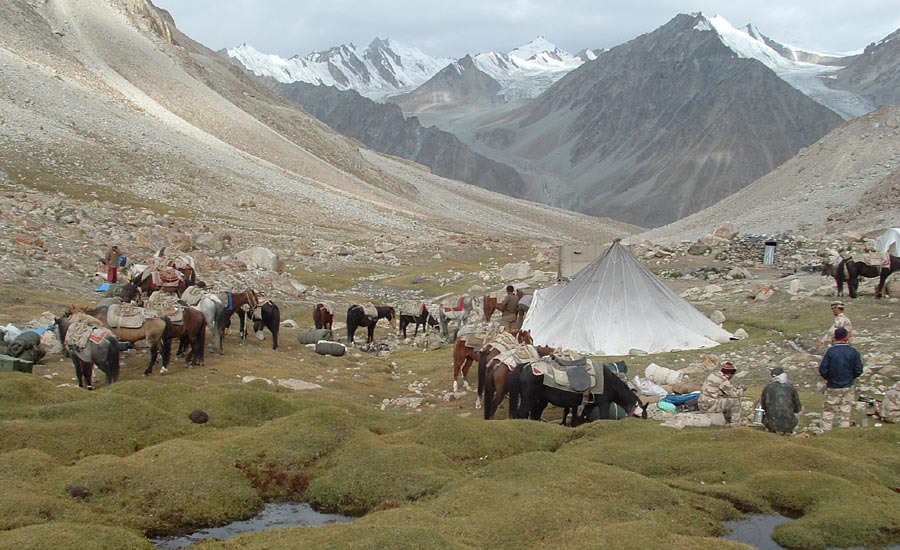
[[526, 393]]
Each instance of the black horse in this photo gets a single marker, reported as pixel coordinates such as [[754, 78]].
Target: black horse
[[535, 396], [267, 315], [424, 319], [356, 317], [851, 271]]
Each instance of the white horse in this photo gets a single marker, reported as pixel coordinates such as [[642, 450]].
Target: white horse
[[461, 310]]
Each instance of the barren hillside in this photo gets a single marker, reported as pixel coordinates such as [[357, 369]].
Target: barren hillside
[[845, 181], [110, 96]]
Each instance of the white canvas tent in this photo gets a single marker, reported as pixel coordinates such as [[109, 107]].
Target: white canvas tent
[[889, 241], [616, 306]]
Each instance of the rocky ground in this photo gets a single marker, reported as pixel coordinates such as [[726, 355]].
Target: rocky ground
[[52, 245]]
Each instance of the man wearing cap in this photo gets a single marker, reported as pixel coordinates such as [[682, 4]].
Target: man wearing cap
[[718, 394], [112, 264], [781, 403], [509, 309], [840, 367], [840, 320]]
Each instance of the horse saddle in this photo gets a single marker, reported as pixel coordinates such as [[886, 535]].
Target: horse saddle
[[192, 295], [125, 316], [369, 310], [504, 341], [167, 276], [82, 328], [577, 379]]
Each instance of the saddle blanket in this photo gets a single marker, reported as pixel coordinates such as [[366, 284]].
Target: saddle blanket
[[192, 295], [557, 377], [165, 304], [81, 329], [873, 259], [521, 353], [479, 336], [415, 309], [503, 341], [127, 316], [460, 305], [369, 310], [167, 277]]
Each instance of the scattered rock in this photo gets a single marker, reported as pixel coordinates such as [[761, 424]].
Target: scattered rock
[[199, 417]]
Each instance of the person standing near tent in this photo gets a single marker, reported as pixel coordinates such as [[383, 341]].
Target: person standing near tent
[[112, 264], [840, 320], [840, 367], [509, 309], [781, 403], [524, 304], [718, 394]]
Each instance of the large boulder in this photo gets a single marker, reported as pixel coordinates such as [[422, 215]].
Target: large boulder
[[510, 272], [726, 231], [260, 257]]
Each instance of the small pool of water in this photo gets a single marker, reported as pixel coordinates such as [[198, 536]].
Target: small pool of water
[[757, 531], [284, 514]]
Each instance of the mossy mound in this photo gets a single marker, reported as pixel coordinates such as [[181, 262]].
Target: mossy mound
[[164, 488], [473, 439], [367, 473], [65, 536], [103, 423], [19, 392], [227, 405]]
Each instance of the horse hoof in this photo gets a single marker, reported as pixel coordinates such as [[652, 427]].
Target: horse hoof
[[455, 386], [163, 371], [145, 374], [90, 388], [466, 386]]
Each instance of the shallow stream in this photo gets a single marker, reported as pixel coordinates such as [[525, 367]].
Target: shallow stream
[[285, 514]]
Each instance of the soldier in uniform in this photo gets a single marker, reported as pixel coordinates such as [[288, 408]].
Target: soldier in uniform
[[840, 320], [718, 394], [781, 403], [840, 367], [889, 409], [509, 309]]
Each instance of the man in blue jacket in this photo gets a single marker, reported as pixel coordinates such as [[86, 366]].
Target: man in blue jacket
[[840, 367]]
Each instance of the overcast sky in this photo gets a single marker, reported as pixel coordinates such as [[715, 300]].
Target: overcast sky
[[454, 28]]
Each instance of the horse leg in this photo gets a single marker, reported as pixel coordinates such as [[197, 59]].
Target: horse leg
[[467, 364], [370, 333], [240, 313], [853, 286]]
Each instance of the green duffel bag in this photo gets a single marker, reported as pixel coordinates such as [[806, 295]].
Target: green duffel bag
[[615, 413], [330, 348], [313, 336], [8, 363]]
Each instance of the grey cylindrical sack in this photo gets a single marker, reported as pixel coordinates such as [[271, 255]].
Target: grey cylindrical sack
[[324, 347], [313, 336]]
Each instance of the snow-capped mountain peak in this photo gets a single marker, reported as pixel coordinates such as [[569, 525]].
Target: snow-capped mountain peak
[[384, 67], [536, 47]]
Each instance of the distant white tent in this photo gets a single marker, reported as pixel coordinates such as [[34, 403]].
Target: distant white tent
[[889, 241], [616, 306]]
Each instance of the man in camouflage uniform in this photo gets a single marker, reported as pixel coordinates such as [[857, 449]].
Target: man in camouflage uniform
[[840, 367], [889, 410], [840, 320], [781, 402], [718, 394]]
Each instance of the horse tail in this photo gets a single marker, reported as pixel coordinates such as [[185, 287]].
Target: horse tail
[[274, 322], [317, 317], [112, 359], [201, 339], [166, 341], [482, 371], [514, 384], [839, 276]]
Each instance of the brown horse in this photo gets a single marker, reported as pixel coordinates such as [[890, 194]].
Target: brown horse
[[491, 305], [496, 375], [191, 331], [157, 333], [322, 318], [463, 357], [236, 301]]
